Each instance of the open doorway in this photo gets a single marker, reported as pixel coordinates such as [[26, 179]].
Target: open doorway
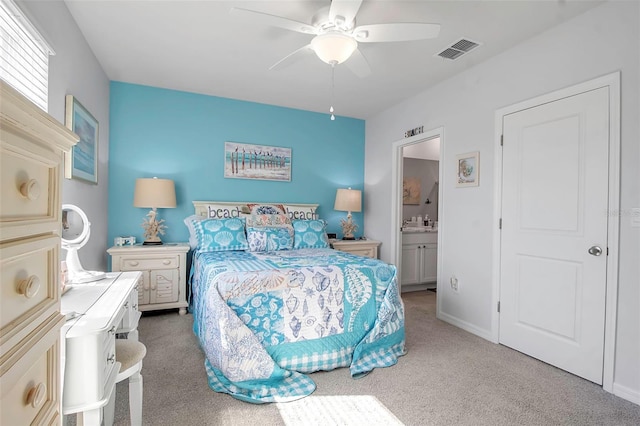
[[416, 193]]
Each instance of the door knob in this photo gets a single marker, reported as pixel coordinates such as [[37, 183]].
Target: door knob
[[595, 251]]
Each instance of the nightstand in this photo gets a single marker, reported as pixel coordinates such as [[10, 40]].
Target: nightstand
[[368, 248], [164, 272]]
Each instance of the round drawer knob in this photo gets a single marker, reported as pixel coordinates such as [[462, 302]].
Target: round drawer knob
[[30, 189], [166, 262], [29, 287], [134, 263], [36, 395]]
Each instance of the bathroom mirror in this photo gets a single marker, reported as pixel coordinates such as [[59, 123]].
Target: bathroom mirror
[[76, 230]]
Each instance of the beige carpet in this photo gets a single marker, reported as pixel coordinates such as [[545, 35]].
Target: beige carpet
[[448, 377]]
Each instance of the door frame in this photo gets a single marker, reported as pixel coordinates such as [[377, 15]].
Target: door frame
[[612, 82], [397, 169]]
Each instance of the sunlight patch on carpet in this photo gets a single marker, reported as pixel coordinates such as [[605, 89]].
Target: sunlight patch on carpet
[[337, 410]]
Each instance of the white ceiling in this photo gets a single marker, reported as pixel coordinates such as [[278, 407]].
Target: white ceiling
[[198, 46]]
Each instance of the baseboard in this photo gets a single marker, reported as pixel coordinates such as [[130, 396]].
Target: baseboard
[[631, 395], [408, 288], [485, 334]]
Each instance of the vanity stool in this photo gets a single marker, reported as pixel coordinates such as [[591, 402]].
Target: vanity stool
[[129, 353]]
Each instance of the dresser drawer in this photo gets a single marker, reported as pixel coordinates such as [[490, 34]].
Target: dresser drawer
[[109, 353], [94, 353], [367, 252], [30, 188], [28, 293], [144, 263], [131, 312], [367, 248], [29, 388]]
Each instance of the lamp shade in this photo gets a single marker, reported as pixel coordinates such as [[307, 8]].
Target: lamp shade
[[154, 193], [333, 48], [348, 200]]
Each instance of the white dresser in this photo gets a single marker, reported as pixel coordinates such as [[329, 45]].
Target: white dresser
[[32, 146], [98, 311]]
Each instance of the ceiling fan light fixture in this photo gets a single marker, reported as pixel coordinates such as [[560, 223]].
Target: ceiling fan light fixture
[[333, 48]]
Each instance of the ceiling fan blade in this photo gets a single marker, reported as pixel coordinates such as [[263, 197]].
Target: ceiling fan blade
[[292, 57], [358, 64], [347, 9], [395, 32], [273, 20]]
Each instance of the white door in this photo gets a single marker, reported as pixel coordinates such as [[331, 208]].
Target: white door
[[554, 232]]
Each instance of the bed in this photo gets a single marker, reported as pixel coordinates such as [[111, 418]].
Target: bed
[[281, 304]]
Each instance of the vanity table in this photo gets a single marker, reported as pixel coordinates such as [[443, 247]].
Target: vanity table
[[95, 313]]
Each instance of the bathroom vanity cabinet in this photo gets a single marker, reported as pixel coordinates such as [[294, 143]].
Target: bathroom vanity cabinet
[[419, 258]]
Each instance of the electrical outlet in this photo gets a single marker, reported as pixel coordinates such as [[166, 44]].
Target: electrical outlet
[[454, 283]]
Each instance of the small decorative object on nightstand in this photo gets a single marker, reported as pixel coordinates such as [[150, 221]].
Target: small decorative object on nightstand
[[368, 248], [163, 273]]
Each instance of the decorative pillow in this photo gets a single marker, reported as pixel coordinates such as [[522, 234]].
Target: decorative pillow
[[270, 238], [220, 234], [193, 236], [268, 220], [310, 234], [301, 212], [257, 209]]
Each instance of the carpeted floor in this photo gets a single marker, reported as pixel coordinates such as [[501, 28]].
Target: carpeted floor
[[448, 377]]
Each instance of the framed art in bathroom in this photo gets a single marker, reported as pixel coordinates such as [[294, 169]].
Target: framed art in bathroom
[[468, 169], [410, 191]]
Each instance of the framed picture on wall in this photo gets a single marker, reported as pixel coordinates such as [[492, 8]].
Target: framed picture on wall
[[411, 191], [82, 162], [468, 170], [247, 161]]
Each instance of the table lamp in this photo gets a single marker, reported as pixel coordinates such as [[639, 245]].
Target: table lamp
[[154, 193], [348, 200]]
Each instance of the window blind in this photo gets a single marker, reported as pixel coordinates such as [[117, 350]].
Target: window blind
[[24, 55]]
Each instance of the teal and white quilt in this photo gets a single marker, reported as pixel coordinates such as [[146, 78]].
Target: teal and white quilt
[[264, 319]]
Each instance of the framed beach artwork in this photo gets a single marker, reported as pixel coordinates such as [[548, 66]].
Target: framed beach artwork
[[468, 171], [248, 161], [410, 191], [82, 162]]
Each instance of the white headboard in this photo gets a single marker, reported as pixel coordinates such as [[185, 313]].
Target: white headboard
[[203, 208]]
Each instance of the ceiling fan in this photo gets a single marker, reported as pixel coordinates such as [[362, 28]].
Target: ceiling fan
[[337, 36]]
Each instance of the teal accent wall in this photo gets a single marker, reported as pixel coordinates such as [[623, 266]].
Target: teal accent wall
[[180, 136]]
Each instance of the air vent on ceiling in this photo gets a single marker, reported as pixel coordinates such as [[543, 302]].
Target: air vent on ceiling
[[458, 49]]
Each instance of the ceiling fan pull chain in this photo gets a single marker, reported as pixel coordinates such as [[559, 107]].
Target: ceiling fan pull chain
[[333, 78]]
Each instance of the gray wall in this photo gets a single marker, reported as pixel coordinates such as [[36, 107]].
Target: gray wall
[[74, 70], [603, 40]]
